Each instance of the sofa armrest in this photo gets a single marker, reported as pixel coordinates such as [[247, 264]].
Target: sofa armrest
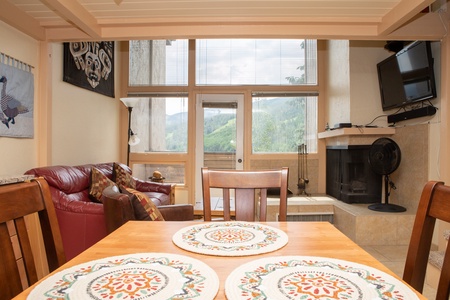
[[148, 186], [177, 212], [117, 208]]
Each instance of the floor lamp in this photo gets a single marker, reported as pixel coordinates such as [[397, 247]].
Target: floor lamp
[[133, 139]]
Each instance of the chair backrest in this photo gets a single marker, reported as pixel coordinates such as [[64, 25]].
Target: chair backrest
[[434, 204], [245, 185], [17, 264]]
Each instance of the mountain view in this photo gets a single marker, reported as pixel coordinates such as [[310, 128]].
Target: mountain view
[[269, 134]]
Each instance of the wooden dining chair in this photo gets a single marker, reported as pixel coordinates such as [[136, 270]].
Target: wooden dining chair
[[17, 264], [245, 185], [434, 205]]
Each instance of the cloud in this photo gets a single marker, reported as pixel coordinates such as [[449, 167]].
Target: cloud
[[242, 61]]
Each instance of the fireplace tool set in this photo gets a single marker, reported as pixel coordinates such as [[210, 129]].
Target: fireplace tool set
[[302, 169]]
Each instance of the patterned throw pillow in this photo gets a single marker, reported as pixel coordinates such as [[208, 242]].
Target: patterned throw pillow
[[122, 177], [99, 182], [149, 206]]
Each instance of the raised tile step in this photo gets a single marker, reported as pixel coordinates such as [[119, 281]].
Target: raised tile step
[[362, 225], [303, 208], [368, 227]]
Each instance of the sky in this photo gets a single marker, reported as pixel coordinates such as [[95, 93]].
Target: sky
[[235, 61]]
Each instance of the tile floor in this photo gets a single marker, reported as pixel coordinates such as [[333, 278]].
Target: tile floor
[[394, 257]]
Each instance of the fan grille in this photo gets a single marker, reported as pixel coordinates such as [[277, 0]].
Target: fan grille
[[384, 156]]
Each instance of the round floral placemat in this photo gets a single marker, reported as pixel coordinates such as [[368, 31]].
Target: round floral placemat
[[232, 238], [136, 276], [309, 277]]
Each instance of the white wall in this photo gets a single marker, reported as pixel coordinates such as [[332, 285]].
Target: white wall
[[18, 155]]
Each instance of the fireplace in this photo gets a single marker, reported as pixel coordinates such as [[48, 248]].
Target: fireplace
[[349, 175]]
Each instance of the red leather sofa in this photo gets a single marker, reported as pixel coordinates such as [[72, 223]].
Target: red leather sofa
[[82, 221]]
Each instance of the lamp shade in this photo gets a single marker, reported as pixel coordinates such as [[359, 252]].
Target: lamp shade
[[129, 101], [134, 140]]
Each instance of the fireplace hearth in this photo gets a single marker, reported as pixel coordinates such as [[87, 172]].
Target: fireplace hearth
[[349, 175]]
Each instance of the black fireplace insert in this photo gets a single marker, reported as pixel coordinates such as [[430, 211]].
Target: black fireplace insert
[[349, 175]]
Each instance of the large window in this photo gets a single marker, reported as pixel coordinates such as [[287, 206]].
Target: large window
[[224, 62], [173, 173], [256, 62], [281, 123], [279, 74], [158, 62], [161, 124]]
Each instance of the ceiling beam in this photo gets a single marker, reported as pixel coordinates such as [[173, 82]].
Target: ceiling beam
[[258, 30], [427, 26], [400, 14], [75, 13], [10, 14]]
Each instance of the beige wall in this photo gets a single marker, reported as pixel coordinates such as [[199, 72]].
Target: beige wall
[[17, 155], [365, 102], [338, 82], [82, 126], [85, 125], [441, 145]]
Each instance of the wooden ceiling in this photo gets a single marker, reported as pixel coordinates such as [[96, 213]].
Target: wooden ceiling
[[69, 20]]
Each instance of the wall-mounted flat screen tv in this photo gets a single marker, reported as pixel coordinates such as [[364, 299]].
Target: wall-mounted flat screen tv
[[407, 76]]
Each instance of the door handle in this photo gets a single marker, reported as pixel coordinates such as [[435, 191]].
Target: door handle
[[240, 160]]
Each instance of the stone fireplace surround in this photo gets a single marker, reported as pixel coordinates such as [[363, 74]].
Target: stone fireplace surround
[[367, 227], [412, 173]]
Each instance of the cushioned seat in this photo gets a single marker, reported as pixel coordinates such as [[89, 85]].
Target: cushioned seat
[[158, 198]]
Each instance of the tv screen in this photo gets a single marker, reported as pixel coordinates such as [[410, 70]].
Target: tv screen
[[407, 77]]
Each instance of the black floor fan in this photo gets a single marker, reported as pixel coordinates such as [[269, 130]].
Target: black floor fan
[[384, 158]]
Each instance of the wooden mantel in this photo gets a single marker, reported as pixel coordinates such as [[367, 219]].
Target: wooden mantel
[[356, 131], [355, 135]]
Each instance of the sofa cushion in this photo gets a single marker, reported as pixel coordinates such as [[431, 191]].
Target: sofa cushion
[[148, 205], [98, 183], [122, 177], [139, 211]]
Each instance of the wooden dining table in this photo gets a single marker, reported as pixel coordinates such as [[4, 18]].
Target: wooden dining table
[[305, 239]]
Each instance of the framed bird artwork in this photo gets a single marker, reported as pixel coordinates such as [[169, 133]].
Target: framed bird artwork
[[16, 102]]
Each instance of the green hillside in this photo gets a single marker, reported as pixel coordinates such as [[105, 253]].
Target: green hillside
[[269, 133]]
